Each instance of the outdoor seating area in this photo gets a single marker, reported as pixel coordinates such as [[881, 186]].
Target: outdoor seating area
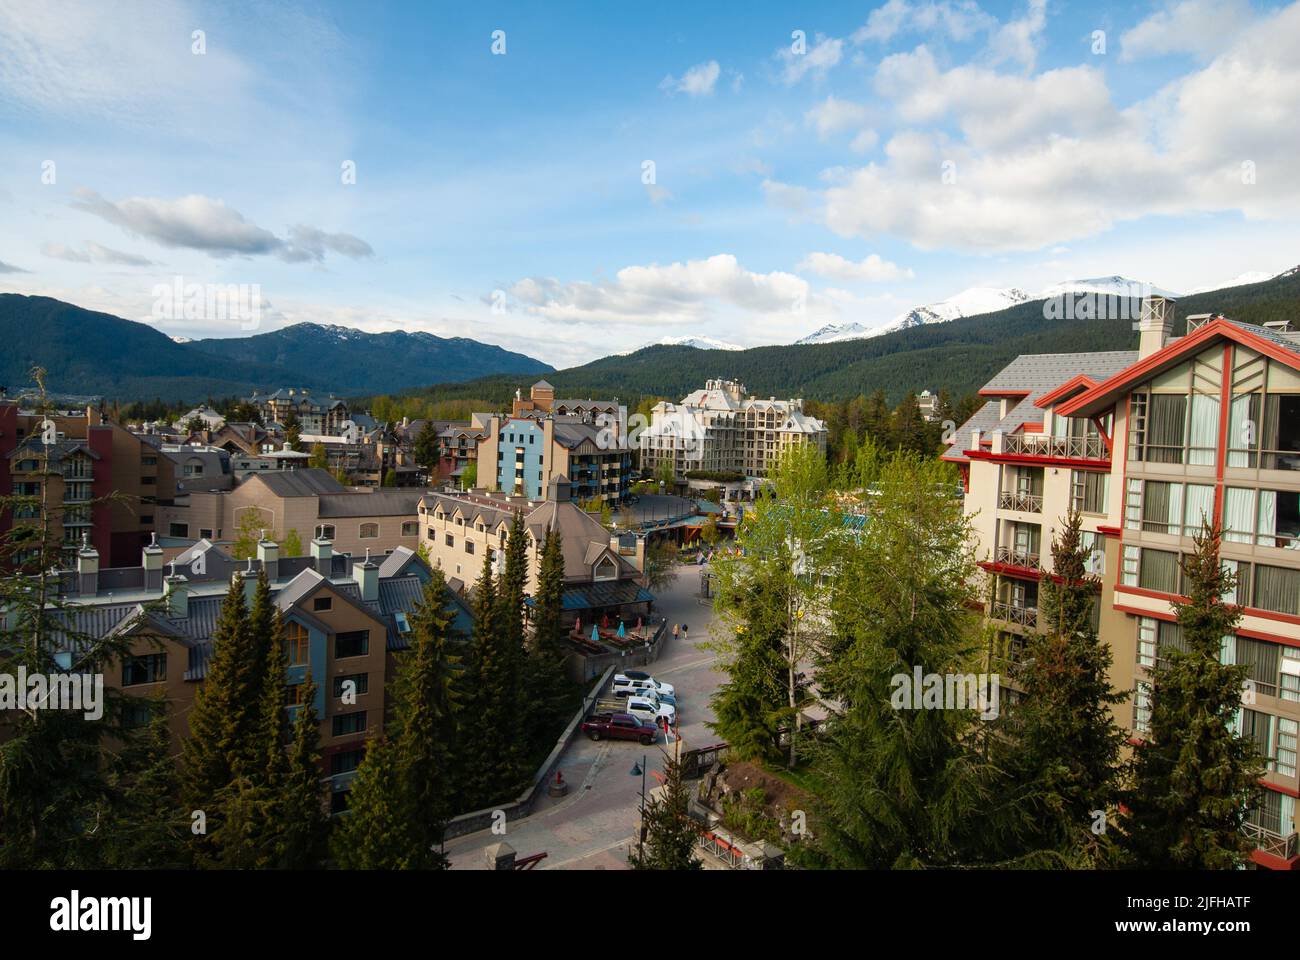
[[611, 635]]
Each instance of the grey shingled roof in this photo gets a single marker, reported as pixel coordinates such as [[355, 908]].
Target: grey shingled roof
[[1039, 374], [377, 503], [308, 482]]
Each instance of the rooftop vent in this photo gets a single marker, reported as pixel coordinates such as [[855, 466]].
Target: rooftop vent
[[1196, 320], [1281, 326]]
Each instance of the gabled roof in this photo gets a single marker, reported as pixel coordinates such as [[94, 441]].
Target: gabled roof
[[1279, 346], [309, 482]]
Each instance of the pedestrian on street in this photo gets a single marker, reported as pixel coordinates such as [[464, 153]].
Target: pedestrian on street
[[684, 629], [676, 631]]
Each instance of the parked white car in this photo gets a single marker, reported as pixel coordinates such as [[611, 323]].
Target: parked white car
[[636, 682], [644, 708]]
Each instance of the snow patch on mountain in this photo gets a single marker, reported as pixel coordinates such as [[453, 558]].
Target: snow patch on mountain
[[698, 342]]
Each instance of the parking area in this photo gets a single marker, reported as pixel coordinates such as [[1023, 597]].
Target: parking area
[[591, 827]]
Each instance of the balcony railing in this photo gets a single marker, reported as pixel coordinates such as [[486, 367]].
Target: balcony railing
[[1012, 613], [1272, 843], [1024, 502], [1042, 445], [1016, 557]]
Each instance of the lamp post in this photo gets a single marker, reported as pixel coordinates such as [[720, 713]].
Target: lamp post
[[638, 769]]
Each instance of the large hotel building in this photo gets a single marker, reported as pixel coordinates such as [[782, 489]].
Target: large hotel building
[[1147, 445]]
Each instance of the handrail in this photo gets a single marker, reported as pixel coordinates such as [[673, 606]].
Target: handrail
[[1017, 558], [1025, 502], [1043, 445], [1025, 616]]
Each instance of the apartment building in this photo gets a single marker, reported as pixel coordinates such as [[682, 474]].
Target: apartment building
[[72, 458], [1148, 446], [720, 429], [309, 501], [582, 441], [346, 619], [602, 570], [314, 416]]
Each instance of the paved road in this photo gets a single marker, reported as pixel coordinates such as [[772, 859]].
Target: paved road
[[592, 827]]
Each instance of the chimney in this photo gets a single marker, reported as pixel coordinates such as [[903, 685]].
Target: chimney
[[322, 551], [176, 590], [1156, 323], [268, 551], [248, 578], [366, 574], [152, 562], [87, 568]]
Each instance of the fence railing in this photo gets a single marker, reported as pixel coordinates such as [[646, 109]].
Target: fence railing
[[1011, 613], [1017, 558], [1042, 445], [1025, 502], [1272, 843]]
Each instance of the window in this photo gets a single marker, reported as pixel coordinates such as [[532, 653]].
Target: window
[[1257, 726], [368, 531], [178, 530], [1146, 648], [1276, 589], [150, 668], [297, 643], [346, 762], [1158, 570], [1289, 678], [1160, 501], [322, 603], [348, 723], [294, 693], [1261, 660], [469, 545], [1088, 491], [410, 528], [136, 713], [325, 531], [205, 533], [1284, 755], [1142, 708], [354, 643], [149, 481], [449, 540], [360, 681]]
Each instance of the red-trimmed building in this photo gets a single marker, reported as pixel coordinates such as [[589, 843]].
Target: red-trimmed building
[[1147, 445]]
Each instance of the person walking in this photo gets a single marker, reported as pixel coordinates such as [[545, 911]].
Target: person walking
[[676, 631], [684, 629]]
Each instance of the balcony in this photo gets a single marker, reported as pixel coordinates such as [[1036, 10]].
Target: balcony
[[1274, 844], [1015, 557], [1013, 613], [1024, 502], [1041, 445]]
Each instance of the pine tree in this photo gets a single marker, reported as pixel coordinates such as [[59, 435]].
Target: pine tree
[[905, 785], [264, 761], [670, 834], [491, 702], [220, 720], [373, 834], [424, 725], [547, 686], [1195, 776], [510, 635], [425, 447], [303, 831], [1064, 744]]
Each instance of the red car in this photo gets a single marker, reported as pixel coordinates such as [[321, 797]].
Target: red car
[[619, 726]]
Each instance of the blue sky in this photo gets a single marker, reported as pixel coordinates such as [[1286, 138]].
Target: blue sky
[[908, 151]]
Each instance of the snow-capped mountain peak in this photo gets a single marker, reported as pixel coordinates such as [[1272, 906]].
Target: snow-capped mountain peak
[[1115, 286], [698, 342]]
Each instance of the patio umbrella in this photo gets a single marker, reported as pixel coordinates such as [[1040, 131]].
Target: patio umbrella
[[622, 632], [595, 634], [604, 621], [638, 624], [577, 627]]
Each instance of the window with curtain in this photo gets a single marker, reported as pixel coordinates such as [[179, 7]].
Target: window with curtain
[[1276, 589], [1198, 508], [1146, 645], [1261, 660], [1243, 430], [1289, 674], [1280, 437], [1257, 726], [1088, 491], [1166, 428], [1203, 436], [1156, 500], [1158, 570], [1169, 637], [1239, 515], [1284, 753], [1095, 545]]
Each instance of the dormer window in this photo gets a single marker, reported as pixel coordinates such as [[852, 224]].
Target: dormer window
[[606, 569]]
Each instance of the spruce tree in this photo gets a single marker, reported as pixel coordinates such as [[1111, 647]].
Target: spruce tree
[[669, 832], [1195, 776], [491, 702], [219, 721], [144, 827], [373, 833], [424, 725], [1063, 745], [303, 831], [549, 692]]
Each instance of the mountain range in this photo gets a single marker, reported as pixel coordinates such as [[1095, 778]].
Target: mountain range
[[981, 300], [85, 352]]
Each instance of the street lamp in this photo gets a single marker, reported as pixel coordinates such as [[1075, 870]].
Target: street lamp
[[638, 770]]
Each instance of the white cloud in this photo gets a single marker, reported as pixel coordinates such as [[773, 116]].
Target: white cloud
[[872, 268], [820, 58], [94, 253], [10, 268], [833, 115], [698, 81], [1019, 40], [672, 294], [196, 222], [960, 20], [1200, 27], [1041, 160]]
